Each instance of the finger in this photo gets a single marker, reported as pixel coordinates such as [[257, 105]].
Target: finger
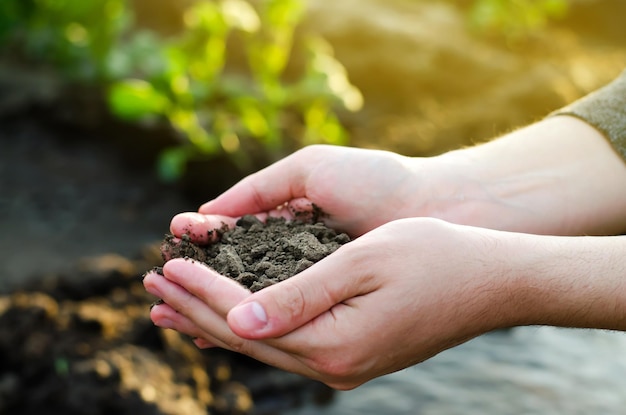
[[263, 191], [166, 317], [283, 307], [184, 312], [189, 315], [301, 205], [207, 285], [300, 208], [201, 229], [203, 343], [169, 248]]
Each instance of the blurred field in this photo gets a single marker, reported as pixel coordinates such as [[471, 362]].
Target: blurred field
[[431, 83]]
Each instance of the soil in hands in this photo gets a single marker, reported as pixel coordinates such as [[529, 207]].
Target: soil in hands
[[259, 254]]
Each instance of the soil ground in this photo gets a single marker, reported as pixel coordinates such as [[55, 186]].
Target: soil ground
[[65, 196]]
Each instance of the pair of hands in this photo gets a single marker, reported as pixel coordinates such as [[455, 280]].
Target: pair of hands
[[387, 300], [411, 285]]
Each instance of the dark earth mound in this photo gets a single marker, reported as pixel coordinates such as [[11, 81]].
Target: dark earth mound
[[87, 346], [258, 254]]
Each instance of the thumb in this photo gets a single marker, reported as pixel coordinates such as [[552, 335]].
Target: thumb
[[283, 307], [264, 190]]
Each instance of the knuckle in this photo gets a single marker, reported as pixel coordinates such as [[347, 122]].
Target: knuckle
[[313, 152], [239, 345], [293, 301], [312, 149], [336, 372], [184, 304]]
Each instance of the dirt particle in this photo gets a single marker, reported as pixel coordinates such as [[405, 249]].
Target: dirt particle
[[258, 254]]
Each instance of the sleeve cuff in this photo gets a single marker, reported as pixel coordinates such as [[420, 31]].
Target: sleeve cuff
[[605, 109]]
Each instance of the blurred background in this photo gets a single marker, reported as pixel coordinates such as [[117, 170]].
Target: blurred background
[[117, 114]]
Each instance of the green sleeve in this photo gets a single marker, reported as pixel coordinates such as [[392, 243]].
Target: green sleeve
[[605, 109]]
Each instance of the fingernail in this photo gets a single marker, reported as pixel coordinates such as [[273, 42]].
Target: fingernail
[[249, 317], [154, 270], [156, 303]]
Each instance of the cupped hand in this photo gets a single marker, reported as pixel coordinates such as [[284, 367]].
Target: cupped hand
[[356, 189], [391, 298]]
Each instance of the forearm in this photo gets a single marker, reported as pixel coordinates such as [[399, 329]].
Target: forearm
[[559, 176], [569, 282]]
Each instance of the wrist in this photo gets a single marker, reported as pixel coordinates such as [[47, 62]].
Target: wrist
[[473, 187], [567, 281], [559, 176]]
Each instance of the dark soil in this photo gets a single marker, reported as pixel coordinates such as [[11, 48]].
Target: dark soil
[[258, 254], [87, 346]]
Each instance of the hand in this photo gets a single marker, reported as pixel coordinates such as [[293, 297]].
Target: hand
[[407, 289], [534, 180], [392, 298], [357, 189]]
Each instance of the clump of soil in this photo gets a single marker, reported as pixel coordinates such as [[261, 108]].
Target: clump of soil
[[259, 254]]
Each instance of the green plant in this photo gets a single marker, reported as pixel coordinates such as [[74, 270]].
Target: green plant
[[190, 80], [225, 111], [514, 18], [73, 36]]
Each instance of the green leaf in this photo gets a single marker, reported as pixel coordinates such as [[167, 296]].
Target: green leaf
[[205, 16], [556, 8], [172, 163], [241, 15], [135, 99], [283, 13], [253, 118]]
